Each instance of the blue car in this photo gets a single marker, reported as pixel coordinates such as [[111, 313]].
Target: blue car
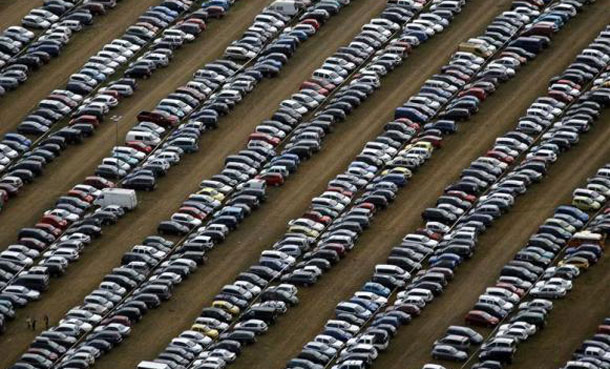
[[15, 137], [421, 36], [573, 211], [222, 3], [448, 260], [376, 288], [338, 334], [302, 36], [367, 304], [166, 10], [397, 178]]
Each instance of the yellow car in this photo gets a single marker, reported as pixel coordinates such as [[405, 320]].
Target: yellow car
[[402, 170], [586, 203], [304, 230], [419, 145], [226, 306], [579, 262], [212, 193], [424, 145], [201, 328]]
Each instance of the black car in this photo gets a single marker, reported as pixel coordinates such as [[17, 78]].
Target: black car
[[173, 228]]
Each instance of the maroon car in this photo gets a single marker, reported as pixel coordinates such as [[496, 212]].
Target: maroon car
[[481, 318]]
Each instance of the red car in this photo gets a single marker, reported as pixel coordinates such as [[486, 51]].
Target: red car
[[54, 221], [140, 146], [272, 179], [94, 8], [367, 205], [513, 55], [9, 189], [148, 25], [191, 91], [159, 117], [474, 91], [192, 211], [63, 99], [338, 248], [481, 318], [312, 22], [569, 83], [216, 11], [511, 288], [561, 96], [317, 217], [407, 308], [500, 156], [81, 195], [456, 73], [121, 319], [49, 228], [32, 243], [603, 329], [112, 93], [264, 137], [89, 119], [314, 86], [324, 83], [408, 122], [404, 44], [341, 191], [45, 353], [98, 182], [540, 30], [462, 195], [436, 141], [429, 233], [199, 22]]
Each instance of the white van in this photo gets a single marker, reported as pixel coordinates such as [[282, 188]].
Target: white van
[[286, 7], [117, 196], [147, 138]]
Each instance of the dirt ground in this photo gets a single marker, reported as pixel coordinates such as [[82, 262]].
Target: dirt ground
[[410, 349]]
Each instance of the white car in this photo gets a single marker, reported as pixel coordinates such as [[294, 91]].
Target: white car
[[548, 291], [24, 292], [239, 53], [77, 236], [225, 355], [32, 253], [186, 219], [556, 281], [421, 293], [35, 21], [17, 258], [528, 327], [342, 325], [116, 327], [292, 104]]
